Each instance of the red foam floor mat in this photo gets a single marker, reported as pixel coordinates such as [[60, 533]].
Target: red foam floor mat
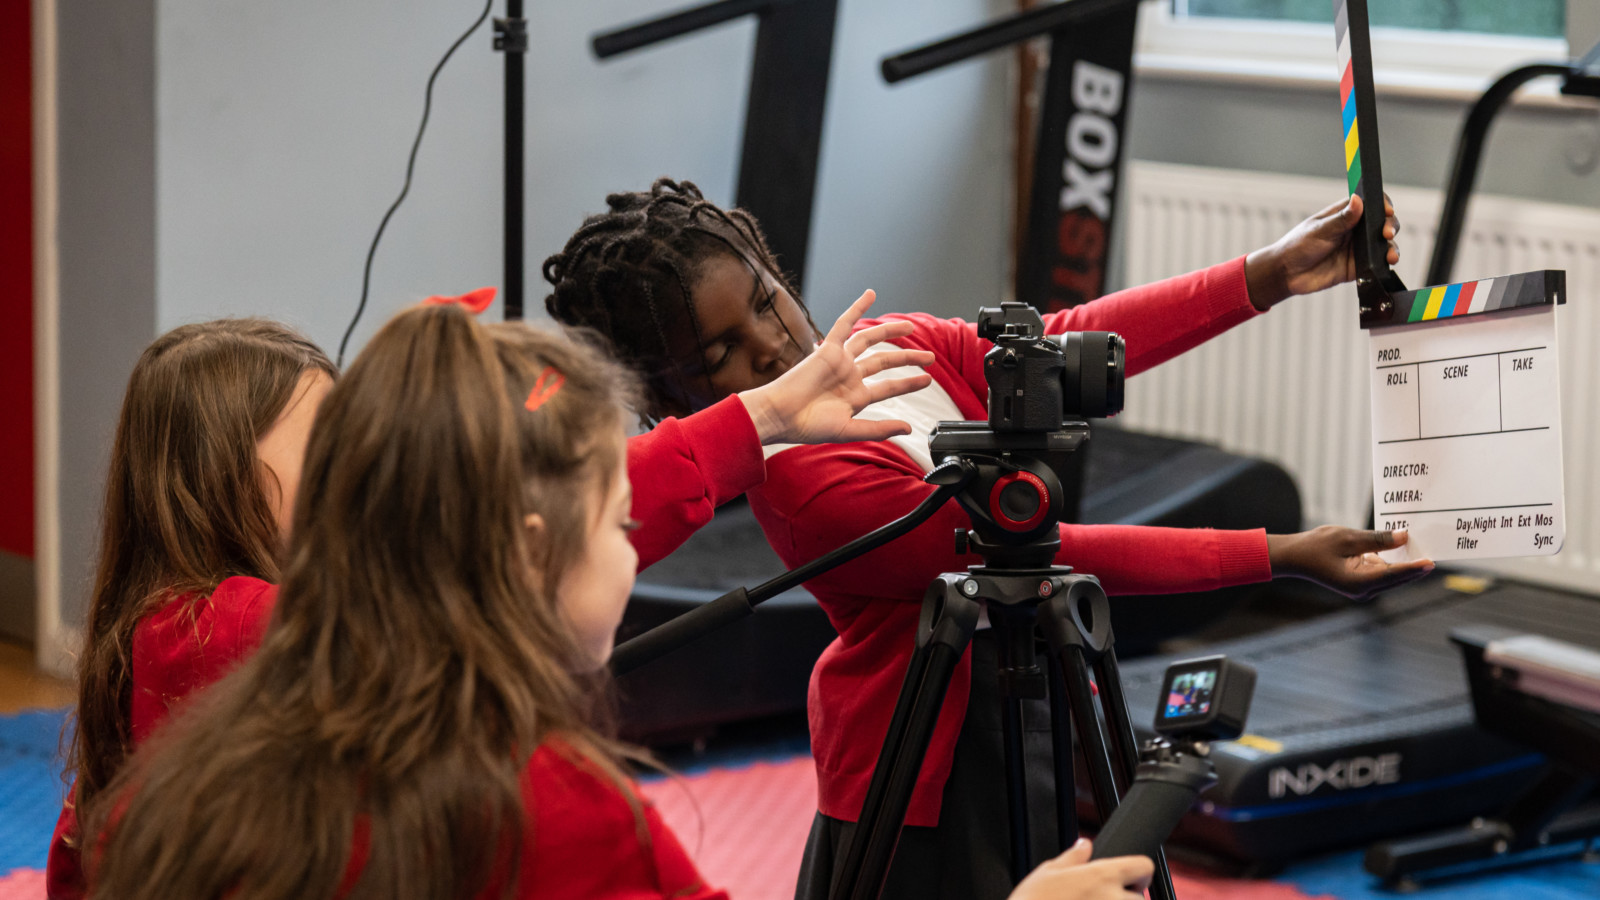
[[746, 828]]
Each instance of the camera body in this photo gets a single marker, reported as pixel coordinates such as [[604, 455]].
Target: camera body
[[1038, 383], [1041, 389]]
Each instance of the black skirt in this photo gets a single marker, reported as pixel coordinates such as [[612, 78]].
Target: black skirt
[[967, 855]]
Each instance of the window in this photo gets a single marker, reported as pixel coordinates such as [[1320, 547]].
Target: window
[[1433, 48], [1523, 18]]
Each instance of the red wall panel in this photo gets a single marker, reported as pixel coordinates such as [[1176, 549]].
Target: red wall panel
[[16, 280]]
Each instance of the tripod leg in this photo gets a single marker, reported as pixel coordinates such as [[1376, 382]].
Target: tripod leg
[[948, 622], [1016, 788], [1018, 677], [1119, 725], [1061, 747], [1091, 737]]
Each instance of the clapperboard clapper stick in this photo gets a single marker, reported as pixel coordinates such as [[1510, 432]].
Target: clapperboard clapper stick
[[1465, 378]]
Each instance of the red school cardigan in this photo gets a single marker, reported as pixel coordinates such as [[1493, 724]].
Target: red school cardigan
[[583, 840], [817, 498], [182, 647]]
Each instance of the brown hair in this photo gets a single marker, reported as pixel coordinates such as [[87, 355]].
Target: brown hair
[[416, 657], [186, 506]]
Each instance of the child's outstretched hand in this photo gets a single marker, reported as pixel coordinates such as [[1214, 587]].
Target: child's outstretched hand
[[1344, 559], [1071, 876], [1314, 255], [816, 401]]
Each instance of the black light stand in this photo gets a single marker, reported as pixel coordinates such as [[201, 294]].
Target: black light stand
[[1072, 203], [783, 118], [511, 38]]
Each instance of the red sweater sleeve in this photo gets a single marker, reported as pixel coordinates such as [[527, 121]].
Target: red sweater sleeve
[[683, 469], [1159, 321], [1162, 319], [850, 490]]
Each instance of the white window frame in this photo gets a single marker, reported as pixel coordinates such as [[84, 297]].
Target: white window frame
[[1446, 65]]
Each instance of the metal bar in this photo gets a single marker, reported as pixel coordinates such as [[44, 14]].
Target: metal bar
[[1001, 33], [1469, 152], [514, 191], [665, 28]]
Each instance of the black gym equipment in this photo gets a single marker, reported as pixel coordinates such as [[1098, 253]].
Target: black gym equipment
[[1578, 78], [783, 118], [1362, 726], [1077, 162], [1540, 692]]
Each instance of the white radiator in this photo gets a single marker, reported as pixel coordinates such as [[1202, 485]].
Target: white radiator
[[1291, 386]]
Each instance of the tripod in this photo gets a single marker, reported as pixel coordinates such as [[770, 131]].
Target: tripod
[[1072, 615], [1015, 498]]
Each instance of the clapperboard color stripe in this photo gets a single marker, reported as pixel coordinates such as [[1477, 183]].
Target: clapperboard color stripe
[[1449, 301], [1452, 301], [1347, 97]]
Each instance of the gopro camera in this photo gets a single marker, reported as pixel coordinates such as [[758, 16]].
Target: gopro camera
[[1205, 699]]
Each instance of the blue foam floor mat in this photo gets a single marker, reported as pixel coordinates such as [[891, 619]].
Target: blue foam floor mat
[[30, 786], [1563, 877]]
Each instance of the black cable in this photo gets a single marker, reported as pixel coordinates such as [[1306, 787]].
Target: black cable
[[411, 164]]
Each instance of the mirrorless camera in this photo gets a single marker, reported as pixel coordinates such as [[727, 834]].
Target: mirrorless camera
[[1038, 382]]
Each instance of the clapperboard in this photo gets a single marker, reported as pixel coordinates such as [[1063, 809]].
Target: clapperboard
[[1466, 409]]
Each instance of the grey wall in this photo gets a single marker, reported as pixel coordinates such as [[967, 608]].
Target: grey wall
[[219, 157], [283, 131], [107, 240]]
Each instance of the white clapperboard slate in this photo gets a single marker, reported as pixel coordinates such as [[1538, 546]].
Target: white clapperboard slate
[[1466, 408]]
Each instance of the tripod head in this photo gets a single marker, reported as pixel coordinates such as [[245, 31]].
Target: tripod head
[[1041, 390]]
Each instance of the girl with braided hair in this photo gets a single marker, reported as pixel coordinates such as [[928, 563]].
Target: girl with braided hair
[[693, 300]]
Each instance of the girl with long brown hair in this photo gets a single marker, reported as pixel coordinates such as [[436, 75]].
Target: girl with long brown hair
[[202, 479], [420, 719]]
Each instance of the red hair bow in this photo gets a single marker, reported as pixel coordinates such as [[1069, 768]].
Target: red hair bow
[[475, 301]]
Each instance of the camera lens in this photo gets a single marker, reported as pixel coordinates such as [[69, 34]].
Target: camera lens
[[1092, 379]]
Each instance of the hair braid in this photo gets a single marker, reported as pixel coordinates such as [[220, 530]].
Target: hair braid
[[619, 268]]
